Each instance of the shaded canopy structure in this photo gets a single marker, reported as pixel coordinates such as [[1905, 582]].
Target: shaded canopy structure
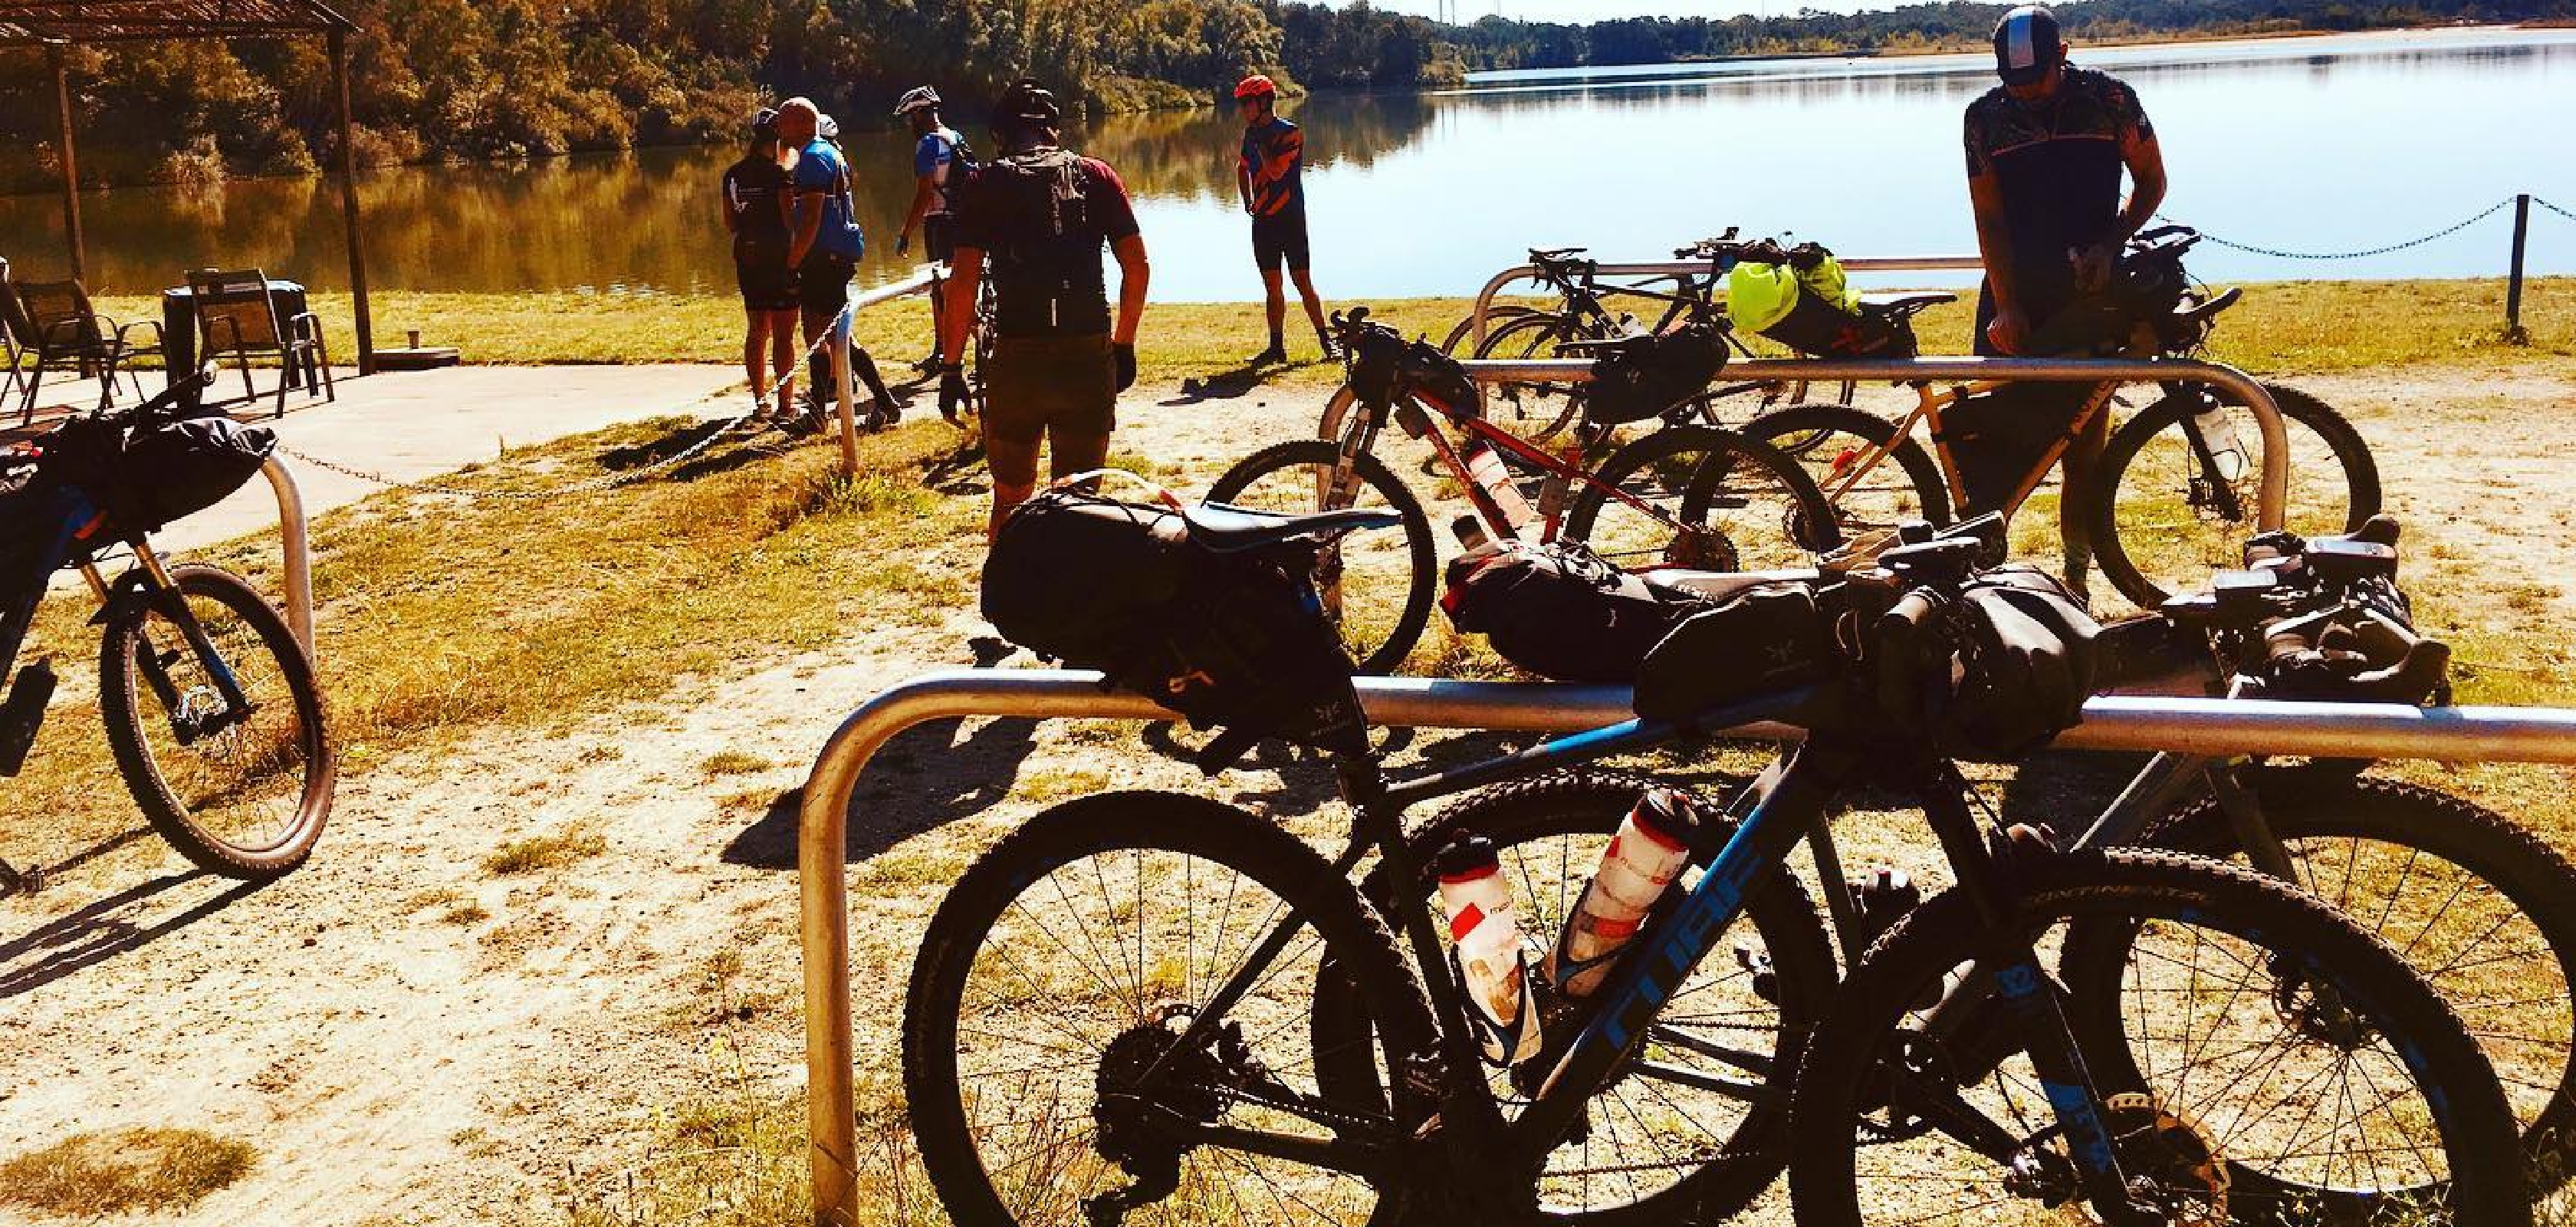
[[58, 25]]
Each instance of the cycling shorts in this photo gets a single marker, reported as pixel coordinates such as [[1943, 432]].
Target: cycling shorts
[[1280, 238]]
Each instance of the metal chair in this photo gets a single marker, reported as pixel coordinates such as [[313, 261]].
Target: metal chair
[[237, 314], [61, 328], [9, 348]]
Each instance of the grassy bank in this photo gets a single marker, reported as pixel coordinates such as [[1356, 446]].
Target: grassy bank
[[2282, 326]]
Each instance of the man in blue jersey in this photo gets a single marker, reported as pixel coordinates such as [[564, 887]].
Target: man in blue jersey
[[940, 161], [824, 249], [1271, 178], [2046, 150]]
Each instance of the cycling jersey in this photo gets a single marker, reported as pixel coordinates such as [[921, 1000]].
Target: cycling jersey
[[1274, 155], [932, 158], [1042, 218], [2057, 165], [819, 168]]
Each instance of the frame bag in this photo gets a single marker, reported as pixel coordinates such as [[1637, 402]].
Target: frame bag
[[1560, 612], [1642, 378]]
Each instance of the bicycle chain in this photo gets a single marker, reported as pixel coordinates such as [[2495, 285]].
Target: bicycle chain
[[2445, 232]]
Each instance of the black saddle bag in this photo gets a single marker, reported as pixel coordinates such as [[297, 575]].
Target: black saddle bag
[[1237, 641], [1991, 675], [1997, 437], [1561, 612], [1766, 639], [1644, 377]]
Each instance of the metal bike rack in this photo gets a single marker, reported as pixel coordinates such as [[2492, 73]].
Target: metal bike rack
[[2271, 500], [1680, 268], [2196, 726], [299, 555]]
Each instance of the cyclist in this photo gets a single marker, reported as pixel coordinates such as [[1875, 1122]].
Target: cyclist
[[755, 213], [824, 249], [1271, 180], [2045, 153], [1036, 218], [939, 157]]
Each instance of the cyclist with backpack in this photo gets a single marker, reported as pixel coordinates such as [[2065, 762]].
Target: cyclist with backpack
[[756, 214], [824, 249], [1035, 220], [940, 158], [1271, 179]]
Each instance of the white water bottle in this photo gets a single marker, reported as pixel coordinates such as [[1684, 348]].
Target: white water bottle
[[2218, 433], [1486, 468], [1492, 967], [1650, 850]]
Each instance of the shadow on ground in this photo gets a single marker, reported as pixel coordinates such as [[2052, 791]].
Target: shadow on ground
[[102, 930], [925, 778]]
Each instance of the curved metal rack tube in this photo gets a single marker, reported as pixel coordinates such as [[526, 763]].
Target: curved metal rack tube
[[2199, 726], [1685, 268], [2271, 501], [291, 542]]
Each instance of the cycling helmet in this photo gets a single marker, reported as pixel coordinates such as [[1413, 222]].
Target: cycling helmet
[[765, 123], [1255, 86], [827, 127], [1027, 102], [916, 98]]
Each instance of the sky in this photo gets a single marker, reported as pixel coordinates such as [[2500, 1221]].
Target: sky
[[1580, 11]]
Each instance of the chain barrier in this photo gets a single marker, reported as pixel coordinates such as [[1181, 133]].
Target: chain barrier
[[721, 431], [2554, 208], [2443, 233]]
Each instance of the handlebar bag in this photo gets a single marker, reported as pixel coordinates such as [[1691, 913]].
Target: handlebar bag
[[173, 470], [2024, 661], [1996, 438], [1764, 639], [1813, 311], [1560, 612], [1644, 377]]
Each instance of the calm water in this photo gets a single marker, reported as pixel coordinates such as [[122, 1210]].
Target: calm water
[[2312, 144]]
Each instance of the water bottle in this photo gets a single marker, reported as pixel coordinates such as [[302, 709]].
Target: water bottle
[[1486, 468], [2218, 433], [1650, 850], [1487, 953]]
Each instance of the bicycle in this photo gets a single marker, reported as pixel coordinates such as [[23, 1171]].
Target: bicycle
[[211, 706], [1082, 1041], [980, 338], [2177, 478], [2488, 921], [1750, 508]]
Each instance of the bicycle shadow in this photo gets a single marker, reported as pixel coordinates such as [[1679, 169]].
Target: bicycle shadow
[[1224, 385], [925, 778], [102, 930]]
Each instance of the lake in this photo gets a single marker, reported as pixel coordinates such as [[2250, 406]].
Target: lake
[[2311, 144]]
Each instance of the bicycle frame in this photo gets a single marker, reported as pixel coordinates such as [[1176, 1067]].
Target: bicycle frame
[[1788, 801]]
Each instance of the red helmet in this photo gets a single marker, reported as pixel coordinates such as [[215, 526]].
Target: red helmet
[[1255, 86]]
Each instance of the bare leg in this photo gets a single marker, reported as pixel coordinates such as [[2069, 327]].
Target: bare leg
[[782, 355], [2080, 463], [1275, 304], [1314, 308], [755, 338], [1068, 454]]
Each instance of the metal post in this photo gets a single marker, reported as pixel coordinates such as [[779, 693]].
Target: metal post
[[72, 237], [2196, 726], [841, 394], [349, 206], [299, 555], [1689, 268], [2513, 333]]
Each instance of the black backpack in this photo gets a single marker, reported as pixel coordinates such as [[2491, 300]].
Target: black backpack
[[1045, 253]]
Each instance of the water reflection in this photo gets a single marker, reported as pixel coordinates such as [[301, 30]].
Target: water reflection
[[2312, 143]]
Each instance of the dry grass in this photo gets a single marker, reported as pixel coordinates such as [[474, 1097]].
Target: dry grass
[[538, 853], [122, 1171], [733, 762]]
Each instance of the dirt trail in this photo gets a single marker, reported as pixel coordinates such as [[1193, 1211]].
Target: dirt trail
[[406, 1038]]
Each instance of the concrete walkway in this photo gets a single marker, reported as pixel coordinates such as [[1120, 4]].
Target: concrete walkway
[[419, 424]]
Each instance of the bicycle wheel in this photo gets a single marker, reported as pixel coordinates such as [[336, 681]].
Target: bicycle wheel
[[2175, 509], [1699, 497], [1069, 959], [2482, 909], [1692, 1129], [1537, 411], [1830, 441], [1377, 586], [2296, 1070], [980, 388], [243, 794], [1496, 316]]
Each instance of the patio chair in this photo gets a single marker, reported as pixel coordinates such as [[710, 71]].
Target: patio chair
[[9, 349], [237, 315], [62, 330]]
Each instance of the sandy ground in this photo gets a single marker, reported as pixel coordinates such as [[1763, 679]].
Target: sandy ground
[[397, 1057]]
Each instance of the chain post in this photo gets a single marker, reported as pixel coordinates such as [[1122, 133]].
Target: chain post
[[842, 327], [2513, 331]]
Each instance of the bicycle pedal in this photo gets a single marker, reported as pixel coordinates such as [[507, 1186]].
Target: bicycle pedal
[[1766, 978], [23, 713]]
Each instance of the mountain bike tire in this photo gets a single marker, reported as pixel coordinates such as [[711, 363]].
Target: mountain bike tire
[[1553, 406], [2350, 494], [999, 885], [1523, 820], [1495, 316], [1840, 1125], [192, 816], [2433, 835], [1905, 484], [1376, 654], [1706, 480]]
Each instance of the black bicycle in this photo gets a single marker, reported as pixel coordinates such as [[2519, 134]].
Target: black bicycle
[[1153, 1005], [211, 705]]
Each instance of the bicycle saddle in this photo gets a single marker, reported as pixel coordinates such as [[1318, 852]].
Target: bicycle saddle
[[1903, 305], [1549, 255], [1228, 530]]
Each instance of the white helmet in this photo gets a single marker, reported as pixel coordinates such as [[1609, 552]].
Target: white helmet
[[916, 98], [827, 127]]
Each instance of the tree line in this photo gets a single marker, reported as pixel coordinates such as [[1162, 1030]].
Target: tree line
[[440, 80]]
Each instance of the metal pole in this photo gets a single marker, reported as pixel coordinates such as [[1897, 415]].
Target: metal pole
[[299, 555], [72, 237], [2198, 726], [2513, 333], [842, 326], [349, 206], [2271, 500], [1682, 268]]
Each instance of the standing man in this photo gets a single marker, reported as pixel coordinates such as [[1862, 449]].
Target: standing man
[[1035, 219], [1271, 178], [2045, 152], [940, 158], [824, 249], [756, 214]]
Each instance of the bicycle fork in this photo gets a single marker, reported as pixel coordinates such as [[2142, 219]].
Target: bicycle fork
[[161, 593]]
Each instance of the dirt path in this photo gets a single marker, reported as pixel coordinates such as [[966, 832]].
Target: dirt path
[[407, 1038]]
